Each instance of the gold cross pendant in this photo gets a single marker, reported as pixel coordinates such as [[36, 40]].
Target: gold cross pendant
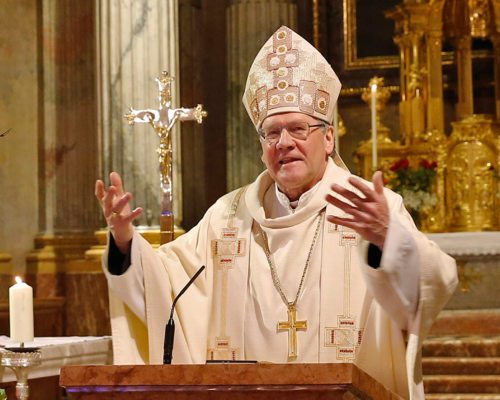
[[292, 325]]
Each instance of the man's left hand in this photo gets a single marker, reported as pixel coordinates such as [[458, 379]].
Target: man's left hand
[[369, 214]]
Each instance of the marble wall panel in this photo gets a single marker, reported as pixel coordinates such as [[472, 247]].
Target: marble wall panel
[[19, 112], [87, 304], [479, 279]]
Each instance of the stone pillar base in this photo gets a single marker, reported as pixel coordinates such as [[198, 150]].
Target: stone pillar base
[[47, 264], [87, 303]]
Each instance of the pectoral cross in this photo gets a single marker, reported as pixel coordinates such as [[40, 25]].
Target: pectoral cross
[[162, 120], [292, 325]]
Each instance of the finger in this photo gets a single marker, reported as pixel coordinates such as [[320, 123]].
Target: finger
[[108, 201], [99, 190], [347, 222], [122, 203], [348, 194], [133, 215], [338, 203], [357, 213], [363, 187], [378, 182], [116, 181]]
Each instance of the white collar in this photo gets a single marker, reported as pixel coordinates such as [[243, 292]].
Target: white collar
[[291, 206]]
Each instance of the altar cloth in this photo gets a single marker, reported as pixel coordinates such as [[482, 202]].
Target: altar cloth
[[60, 351]]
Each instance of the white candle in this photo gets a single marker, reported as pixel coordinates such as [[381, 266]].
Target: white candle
[[21, 312], [374, 127], [336, 128]]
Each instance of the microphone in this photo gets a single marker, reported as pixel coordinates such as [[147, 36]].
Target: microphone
[[168, 343]]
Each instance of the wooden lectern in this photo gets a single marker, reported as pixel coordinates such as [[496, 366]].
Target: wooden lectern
[[222, 381]]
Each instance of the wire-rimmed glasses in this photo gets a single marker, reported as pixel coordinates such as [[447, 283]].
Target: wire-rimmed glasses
[[299, 130]]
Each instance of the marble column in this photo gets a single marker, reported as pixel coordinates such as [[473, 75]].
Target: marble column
[[138, 40], [249, 24], [67, 142]]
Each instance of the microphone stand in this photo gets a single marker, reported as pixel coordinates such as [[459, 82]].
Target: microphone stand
[[168, 343]]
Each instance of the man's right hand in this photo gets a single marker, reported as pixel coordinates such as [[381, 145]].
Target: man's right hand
[[116, 209]]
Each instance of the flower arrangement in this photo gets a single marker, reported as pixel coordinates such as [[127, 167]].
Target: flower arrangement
[[414, 184]]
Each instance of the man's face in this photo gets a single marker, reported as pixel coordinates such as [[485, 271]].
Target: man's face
[[296, 165]]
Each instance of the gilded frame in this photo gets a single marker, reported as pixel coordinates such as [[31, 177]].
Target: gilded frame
[[353, 62], [351, 59]]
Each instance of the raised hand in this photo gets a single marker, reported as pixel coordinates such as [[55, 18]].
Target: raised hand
[[115, 204], [369, 213]]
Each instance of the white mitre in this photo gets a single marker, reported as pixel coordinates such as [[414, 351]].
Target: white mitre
[[290, 75]]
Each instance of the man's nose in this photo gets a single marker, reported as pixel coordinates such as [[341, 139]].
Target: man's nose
[[285, 139]]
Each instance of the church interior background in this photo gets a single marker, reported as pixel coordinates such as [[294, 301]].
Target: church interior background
[[70, 70]]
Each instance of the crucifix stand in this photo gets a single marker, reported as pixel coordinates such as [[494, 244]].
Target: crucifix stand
[[163, 120]]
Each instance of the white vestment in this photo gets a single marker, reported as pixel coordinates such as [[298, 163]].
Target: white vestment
[[376, 318]]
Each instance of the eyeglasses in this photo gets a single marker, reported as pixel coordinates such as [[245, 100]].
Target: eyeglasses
[[297, 130]]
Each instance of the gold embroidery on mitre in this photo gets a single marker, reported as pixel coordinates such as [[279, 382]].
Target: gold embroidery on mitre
[[322, 101], [254, 110], [284, 62], [262, 102], [282, 78], [320, 75], [307, 96], [283, 37], [288, 59], [283, 98]]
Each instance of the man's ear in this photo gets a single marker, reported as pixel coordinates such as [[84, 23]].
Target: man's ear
[[329, 140]]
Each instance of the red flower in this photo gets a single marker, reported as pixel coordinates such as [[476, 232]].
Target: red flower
[[428, 165], [400, 164]]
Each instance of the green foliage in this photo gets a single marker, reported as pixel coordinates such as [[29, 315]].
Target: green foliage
[[414, 184]]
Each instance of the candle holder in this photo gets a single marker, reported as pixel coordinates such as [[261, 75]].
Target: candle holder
[[21, 360], [382, 96]]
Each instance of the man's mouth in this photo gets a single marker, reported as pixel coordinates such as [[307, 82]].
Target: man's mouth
[[288, 160]]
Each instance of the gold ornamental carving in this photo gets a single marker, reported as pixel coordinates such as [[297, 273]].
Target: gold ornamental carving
[[466, 183], [472, 174]]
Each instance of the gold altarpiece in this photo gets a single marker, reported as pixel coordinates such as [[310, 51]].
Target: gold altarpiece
[[467, 183]]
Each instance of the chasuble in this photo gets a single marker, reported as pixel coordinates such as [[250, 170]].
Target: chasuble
[[346, 311]]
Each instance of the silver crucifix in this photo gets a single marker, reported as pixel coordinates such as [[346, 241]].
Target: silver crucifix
[[162, 121]]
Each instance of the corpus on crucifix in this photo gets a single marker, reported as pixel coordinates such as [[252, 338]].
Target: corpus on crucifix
[[163, 120]]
